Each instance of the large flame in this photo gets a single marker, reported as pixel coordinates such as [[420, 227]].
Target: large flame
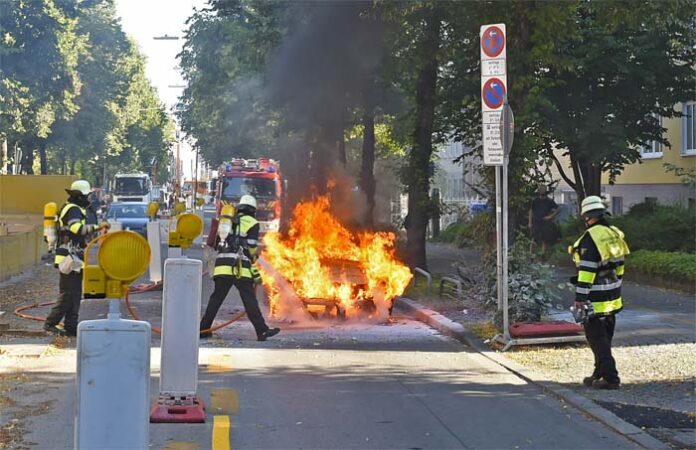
[[322, 259]]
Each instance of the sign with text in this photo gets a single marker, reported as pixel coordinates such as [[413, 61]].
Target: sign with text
[[493, 90]]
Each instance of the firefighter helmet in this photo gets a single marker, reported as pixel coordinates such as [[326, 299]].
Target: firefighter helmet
[[81, 186], [593, 206], [247, 200]]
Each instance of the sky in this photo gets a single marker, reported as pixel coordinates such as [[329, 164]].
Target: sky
[[145, 19]]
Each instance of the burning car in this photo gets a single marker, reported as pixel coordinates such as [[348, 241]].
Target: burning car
[[321, 266]]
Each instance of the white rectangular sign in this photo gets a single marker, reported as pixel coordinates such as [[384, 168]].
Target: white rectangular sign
[[493, 48]]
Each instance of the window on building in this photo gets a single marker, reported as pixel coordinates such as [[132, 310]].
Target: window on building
[[617, 206], [689, 128], [654, 148]]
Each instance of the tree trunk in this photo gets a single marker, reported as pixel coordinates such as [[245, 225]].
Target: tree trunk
[[367, 171], [42, 157], [27, 158], [419, 159], [72, 167], [342, 157]]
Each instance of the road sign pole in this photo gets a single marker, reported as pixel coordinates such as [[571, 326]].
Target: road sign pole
[[504, 249], [498, 236]]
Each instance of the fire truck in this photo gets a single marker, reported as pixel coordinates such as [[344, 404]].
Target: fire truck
[[258, 177]]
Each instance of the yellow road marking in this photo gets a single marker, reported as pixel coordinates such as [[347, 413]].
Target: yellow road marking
[[221, 433], [220, 363], [181, 446], [224, 401]]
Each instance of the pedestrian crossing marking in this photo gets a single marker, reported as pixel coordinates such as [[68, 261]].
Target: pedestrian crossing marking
[[224, 401], [220, 363], [221, 433]]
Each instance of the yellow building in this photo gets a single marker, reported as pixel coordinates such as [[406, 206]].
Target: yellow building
[[648, 180]]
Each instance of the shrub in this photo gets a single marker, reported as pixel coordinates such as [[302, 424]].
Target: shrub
[[659, 227], [668, 265]]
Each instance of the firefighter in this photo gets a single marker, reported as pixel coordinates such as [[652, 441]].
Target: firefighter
[[234, 266], [599, 257], [76, 224]]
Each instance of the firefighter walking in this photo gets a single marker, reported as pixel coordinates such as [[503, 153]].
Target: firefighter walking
[[236, 243], [599, 258], [75, 224]]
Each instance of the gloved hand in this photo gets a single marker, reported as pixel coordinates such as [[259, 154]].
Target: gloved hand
[[573, 280], [105, 225], [89, 228]]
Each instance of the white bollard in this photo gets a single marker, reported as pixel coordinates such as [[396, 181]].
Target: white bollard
[[113, 383], [181, 311], [153, 238]]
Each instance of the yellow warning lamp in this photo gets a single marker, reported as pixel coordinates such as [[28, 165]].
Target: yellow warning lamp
[[188, 227], [50, 231], [179, 208], [200, 201], [152, 209], [122, 256]]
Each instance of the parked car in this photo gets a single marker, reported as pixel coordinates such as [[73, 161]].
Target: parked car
[[131, 215]]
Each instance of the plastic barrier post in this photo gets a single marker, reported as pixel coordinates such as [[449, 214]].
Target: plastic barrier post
[[113, 382], [153, 238], [200, 213], [181, 306]]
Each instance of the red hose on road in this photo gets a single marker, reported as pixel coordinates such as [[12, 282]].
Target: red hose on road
[[136, 289]]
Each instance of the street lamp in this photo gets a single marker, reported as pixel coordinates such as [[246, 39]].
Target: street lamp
[[166, 37]]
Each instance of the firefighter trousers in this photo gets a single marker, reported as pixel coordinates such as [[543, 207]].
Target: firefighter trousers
[[68, 305], [599, 331], [247, 291]]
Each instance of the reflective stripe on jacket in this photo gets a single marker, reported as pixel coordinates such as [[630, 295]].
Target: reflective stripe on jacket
[[71, 223], [599, 256], [237, 254]]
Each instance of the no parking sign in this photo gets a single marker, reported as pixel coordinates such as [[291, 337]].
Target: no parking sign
[[493, 90]]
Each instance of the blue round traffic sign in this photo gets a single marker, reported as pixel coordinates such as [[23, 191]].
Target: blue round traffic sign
[[493, 41], [493, 93]]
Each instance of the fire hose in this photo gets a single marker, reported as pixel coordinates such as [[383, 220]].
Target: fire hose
[[137, 289]]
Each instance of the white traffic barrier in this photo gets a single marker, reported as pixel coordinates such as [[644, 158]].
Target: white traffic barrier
[[181, 310], [154, 239], [174, 252], [113, 382], [115, 225]]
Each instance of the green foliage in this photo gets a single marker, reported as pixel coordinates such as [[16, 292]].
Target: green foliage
[[675, 266], [659, 227], [470, 232], [76, 91], [686, 174]]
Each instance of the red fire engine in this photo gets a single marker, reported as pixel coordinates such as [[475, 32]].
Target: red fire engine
[[258, 177]]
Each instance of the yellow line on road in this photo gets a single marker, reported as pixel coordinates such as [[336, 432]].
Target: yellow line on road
[[220, 363], [224, 401], [221, 433]]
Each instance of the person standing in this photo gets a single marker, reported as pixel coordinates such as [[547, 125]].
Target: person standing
[[234, 266], [75, 224], [541, 215], [599, 256]]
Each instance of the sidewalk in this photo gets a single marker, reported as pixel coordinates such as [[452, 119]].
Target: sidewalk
[[654, 345]]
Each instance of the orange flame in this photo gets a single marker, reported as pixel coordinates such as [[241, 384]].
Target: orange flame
[[321, 259]]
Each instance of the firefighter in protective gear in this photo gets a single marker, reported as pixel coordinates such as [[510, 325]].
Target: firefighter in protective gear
[[76, 225], [234, 266], [599, 258]]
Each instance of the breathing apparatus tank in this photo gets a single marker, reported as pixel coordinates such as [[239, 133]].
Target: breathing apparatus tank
[[226, 221], [50, 231]]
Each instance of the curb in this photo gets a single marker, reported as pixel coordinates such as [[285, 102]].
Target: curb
[[457, 331]]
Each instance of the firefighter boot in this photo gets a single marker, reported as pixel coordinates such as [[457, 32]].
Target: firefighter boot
[[268, 333], [605, 385], [587, 381]]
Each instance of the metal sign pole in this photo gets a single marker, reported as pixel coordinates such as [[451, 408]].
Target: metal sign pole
[[506, 138], [498, 237]]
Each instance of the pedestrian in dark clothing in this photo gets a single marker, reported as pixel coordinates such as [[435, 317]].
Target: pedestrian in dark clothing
[[541, 215]]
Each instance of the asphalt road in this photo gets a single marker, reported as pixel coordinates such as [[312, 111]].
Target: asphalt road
[[317, 385]]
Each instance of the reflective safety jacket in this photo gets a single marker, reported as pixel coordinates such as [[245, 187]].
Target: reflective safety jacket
[[599, 258], [72, 221], [237, 254]]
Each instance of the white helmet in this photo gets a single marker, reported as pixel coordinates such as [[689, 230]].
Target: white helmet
[[593, 205], [81, 186], [247, 200]]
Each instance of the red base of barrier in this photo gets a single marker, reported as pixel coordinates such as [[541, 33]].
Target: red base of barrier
[[172, 410], [544, 329]]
